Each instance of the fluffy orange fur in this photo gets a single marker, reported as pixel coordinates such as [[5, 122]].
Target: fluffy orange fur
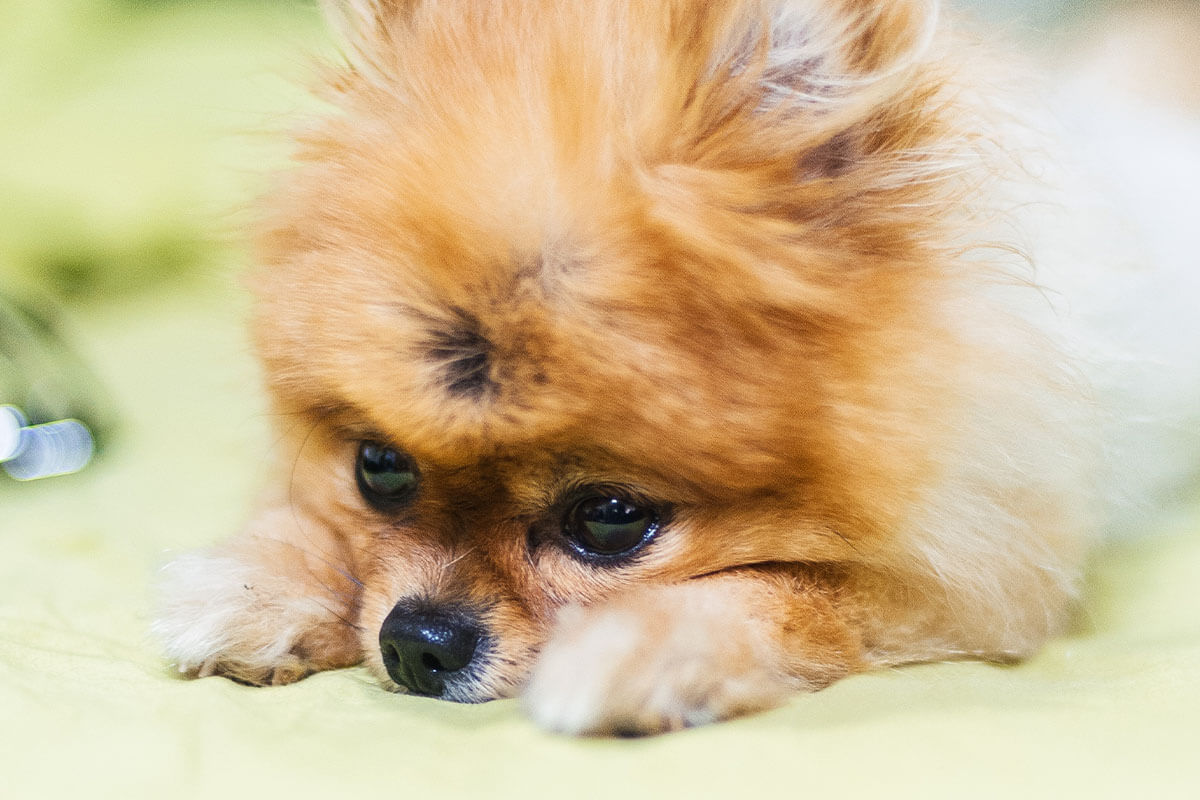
[[735, 261]]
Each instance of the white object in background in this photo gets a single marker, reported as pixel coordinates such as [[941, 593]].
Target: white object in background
[[28, 452], [11, 423]]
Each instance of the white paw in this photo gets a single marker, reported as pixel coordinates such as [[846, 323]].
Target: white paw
[[220, 616], [626, 671]]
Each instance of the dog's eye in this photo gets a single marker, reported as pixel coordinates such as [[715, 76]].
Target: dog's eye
[[386, 477], [609, 526]]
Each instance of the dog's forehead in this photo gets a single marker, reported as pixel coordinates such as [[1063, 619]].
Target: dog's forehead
[[464, 355], [459, 340], [466, 369], [465, 317]]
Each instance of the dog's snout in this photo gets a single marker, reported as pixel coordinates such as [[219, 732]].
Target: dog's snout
[[423, 647]]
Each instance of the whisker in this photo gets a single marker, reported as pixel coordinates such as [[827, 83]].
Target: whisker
[[458, 558]]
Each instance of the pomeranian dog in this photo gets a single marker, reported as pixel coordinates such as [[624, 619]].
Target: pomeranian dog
[[654, 360]]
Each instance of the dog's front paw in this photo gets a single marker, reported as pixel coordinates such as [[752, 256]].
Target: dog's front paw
[[645, 668], [219, 615]]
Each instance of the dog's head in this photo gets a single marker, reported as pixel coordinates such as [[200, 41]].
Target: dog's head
[[571, 296]]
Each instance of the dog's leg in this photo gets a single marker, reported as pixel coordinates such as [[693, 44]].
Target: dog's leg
[[669, 657], [270, 606]]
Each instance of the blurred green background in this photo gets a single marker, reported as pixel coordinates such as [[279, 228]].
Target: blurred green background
[[132, 131], [133, 136]]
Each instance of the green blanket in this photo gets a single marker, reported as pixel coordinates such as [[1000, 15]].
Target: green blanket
[[88, 709]]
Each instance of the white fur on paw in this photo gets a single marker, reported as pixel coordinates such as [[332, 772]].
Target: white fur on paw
[[217, 614], [611, 671]]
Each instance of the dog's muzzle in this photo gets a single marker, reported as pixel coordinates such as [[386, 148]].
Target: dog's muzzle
[[424, 646]]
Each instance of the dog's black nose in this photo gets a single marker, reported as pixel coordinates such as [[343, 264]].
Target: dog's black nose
[[422, 647]]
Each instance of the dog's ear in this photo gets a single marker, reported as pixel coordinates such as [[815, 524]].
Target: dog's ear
[[366, 13], [367, 29], [800, 111], [829, 57], [822, 68], [852, 62]]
